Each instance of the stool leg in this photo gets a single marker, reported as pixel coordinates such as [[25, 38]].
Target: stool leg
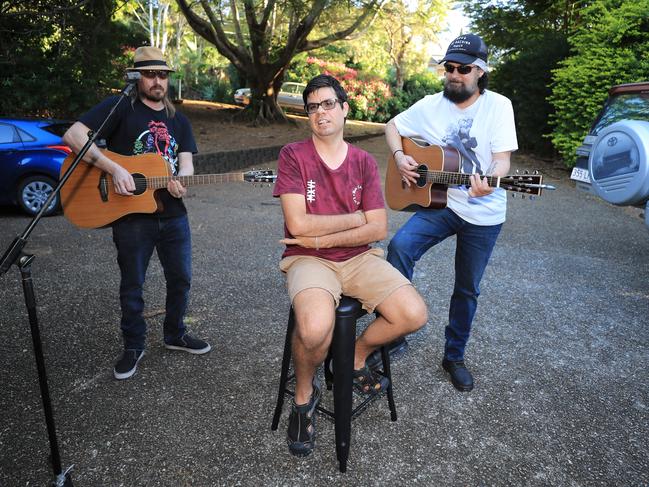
[[385, 357], [286, 362], [329, 378], [344, 339]]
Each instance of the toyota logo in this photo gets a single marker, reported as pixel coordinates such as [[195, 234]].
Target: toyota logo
[[611, 141]]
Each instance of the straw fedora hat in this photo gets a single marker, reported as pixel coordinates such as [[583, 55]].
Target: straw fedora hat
[[149, 57]]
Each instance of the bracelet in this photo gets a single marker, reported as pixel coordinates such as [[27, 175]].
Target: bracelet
[[395, 152], [317, 247]]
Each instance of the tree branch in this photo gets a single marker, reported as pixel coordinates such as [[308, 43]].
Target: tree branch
[[372, 9]]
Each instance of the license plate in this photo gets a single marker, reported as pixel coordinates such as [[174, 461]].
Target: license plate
[[580, 174]]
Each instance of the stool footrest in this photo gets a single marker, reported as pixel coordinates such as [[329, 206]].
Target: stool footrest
[[366, 401]]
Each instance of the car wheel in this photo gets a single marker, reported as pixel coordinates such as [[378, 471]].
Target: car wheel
[[34, 191]]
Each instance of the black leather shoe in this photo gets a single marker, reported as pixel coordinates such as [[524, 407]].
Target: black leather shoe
[[460, 376]]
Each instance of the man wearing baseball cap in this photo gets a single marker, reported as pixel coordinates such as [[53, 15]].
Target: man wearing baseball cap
[[480, 125], [148, 123]]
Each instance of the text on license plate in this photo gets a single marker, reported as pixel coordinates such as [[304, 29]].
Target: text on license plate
[[580, 174]]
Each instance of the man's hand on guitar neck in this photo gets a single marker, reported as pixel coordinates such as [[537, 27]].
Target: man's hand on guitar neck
[[479, 187], [176, 189]]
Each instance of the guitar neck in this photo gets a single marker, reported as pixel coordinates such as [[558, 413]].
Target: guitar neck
[[456, 178], [161, 182]]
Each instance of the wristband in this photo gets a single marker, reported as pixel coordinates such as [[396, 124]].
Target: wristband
[[395, 152]]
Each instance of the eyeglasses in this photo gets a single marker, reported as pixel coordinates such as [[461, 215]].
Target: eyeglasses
[[463, 69], [329, 104], [152, 74]]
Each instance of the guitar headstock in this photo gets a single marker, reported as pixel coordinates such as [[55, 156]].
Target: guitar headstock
[[259, 176], [525, 184]]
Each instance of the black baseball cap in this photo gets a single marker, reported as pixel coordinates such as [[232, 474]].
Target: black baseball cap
[[467, 49]]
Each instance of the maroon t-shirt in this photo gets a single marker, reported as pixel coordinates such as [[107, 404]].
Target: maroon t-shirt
[[353, 186]]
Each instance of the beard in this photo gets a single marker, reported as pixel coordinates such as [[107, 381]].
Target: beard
[[457, 94], [157, 95]]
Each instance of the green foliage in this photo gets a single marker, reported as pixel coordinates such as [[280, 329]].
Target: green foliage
[[527, 39], [60, 61], [524, 79], [611, 47], [301, 70], [419, 85]]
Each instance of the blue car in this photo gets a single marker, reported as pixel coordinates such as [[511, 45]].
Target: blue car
[[31, 155]]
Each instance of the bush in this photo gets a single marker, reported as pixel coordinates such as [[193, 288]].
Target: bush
[[612, 47], [61, 61], [369, 99], [525, 79]]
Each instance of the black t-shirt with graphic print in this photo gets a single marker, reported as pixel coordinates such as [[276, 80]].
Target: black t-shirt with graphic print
[[134, 128]]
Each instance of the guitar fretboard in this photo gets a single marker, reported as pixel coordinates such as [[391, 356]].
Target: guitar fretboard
[[161, 182], [455, 178]]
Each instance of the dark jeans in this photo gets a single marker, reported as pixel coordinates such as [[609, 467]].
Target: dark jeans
[[135, 237], [474, 246]]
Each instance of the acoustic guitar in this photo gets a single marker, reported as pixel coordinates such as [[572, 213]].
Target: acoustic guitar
[[438, 169], [89, 199]]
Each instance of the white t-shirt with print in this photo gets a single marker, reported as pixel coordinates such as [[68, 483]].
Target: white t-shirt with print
[[485, 127]]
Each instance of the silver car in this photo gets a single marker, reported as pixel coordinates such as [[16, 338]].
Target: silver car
[[289, 96]]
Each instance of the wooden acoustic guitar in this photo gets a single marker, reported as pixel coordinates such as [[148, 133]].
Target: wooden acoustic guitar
[[89, 199], [438, 169]]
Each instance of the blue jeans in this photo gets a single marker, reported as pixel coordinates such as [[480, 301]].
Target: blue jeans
[[474, 246], [135, 237]]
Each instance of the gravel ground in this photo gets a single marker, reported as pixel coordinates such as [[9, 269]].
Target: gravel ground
[[559, 354]]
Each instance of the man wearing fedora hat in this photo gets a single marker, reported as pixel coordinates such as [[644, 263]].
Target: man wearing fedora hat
[[480, 125], [148, 123]]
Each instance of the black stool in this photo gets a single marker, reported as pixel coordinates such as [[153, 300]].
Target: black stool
[[342, 354]]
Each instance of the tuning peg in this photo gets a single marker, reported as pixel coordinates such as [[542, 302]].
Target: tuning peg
[[517, 171], [523, 196], [526, 171], [536, 172], [514, 195], [532, 197]]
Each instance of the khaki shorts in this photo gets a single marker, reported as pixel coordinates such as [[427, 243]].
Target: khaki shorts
[[367, 277]]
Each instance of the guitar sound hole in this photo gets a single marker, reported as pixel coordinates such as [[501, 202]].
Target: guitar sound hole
[[422, 170], [140, 183]]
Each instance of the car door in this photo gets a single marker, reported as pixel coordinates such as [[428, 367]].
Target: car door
[[11, 158], [290, 96]]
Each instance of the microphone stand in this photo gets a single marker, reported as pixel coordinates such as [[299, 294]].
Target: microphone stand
[[15, 255]]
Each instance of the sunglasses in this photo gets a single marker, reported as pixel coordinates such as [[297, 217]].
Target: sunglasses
[[152, 74], [329, 104], [463, 69]]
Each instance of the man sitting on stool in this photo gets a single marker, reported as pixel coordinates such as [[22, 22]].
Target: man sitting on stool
[[333, 207]]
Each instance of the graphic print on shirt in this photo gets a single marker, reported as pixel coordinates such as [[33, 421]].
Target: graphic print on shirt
[[458, 136], [356, 194], [157, 139], [310, 191]]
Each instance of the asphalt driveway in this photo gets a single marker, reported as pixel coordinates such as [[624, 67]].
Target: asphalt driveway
[[560, 355]]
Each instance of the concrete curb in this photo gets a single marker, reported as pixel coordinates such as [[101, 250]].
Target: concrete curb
[[232, 160]]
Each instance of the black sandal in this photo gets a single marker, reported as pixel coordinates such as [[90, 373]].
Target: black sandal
[[368, 382], [300, 435]]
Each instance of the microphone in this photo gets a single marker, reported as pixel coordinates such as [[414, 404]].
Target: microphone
[[131, 78]]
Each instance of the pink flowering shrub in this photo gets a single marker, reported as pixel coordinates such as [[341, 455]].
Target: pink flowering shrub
[[368, 98]]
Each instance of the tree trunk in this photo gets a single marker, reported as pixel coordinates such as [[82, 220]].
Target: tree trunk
[[398, 74], [263, 102]]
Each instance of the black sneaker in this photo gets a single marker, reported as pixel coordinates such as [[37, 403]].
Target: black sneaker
[[188, 343], [300, 435], [461, 378], [127, 364]]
